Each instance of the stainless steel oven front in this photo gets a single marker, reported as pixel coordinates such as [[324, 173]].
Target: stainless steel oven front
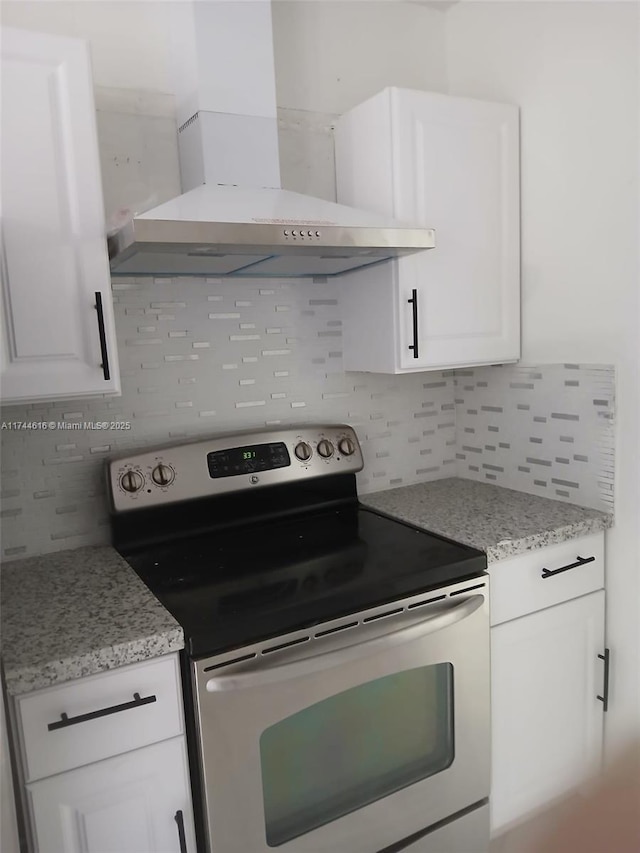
[[354, 734]]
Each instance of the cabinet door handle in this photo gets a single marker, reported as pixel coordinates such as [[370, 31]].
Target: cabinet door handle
[[103, 337], [605, 699], [580, 561], [414, 301], [65, 720], [179, 819]]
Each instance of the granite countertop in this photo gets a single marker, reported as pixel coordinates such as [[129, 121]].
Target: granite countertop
[[500, 521], [75, 613]]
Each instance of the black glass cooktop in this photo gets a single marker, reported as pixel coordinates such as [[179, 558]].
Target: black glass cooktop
[[230, 587]]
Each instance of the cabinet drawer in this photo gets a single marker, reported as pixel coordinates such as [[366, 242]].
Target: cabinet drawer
[[105, 715], [518, 586]]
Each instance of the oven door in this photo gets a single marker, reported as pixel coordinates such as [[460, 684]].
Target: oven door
[[351, 736]]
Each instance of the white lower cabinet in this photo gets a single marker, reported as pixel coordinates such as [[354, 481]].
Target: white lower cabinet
[[139, 802], [102, 763], [547, 719]]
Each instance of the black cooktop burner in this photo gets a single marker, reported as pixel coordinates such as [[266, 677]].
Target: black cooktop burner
[[230, 587]]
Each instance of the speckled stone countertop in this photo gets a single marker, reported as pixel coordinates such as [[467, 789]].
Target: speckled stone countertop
[[500, 521], [74, 613]]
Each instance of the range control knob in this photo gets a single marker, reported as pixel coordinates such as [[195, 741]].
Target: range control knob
[[303, 451], [132, 481], [346, 446], [325, 448], [163, 475]]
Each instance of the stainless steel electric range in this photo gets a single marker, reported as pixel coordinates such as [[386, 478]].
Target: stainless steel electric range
[[336, 667]]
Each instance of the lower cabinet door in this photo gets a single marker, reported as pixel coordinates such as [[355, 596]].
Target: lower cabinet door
[[139, 802], [547, 721]]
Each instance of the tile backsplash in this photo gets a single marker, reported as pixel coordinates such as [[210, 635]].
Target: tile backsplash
[[547, 430], [204, 356]]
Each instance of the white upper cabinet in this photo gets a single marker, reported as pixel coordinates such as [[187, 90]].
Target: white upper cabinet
[[451, 164], [58, 334]]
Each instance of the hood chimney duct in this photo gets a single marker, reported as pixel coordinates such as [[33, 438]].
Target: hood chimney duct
[[226, 95]]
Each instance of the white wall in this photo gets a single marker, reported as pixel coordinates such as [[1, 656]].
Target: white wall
[[129, 40], [332, 55], [329, 55], [573, 69]]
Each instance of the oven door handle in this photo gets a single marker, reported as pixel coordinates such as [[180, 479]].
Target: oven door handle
[[302, 661]]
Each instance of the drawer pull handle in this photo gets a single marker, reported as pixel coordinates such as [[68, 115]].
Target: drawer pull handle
[[414, 317], [103, 337], [580, 561], [605, 699], [65, 720], [179, 819]]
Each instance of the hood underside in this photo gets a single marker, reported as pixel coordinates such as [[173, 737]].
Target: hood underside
[[240, 231]]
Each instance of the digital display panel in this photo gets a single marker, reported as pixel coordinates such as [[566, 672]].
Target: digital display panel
[[248, 460]]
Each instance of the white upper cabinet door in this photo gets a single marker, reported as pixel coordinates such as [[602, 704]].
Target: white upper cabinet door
[[446, 163], [456, 167], [58, 334]]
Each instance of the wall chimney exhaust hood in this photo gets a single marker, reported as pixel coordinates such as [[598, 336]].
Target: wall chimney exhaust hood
[[207, 231], [232, 218]]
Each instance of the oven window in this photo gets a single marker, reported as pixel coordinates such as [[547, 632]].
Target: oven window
[[355, 748]]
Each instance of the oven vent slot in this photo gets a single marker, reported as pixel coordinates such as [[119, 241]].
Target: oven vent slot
[[383, 615], [229, 662], [335, 630], [466, 589], [327, 632], [285, 645], [425, 601]]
